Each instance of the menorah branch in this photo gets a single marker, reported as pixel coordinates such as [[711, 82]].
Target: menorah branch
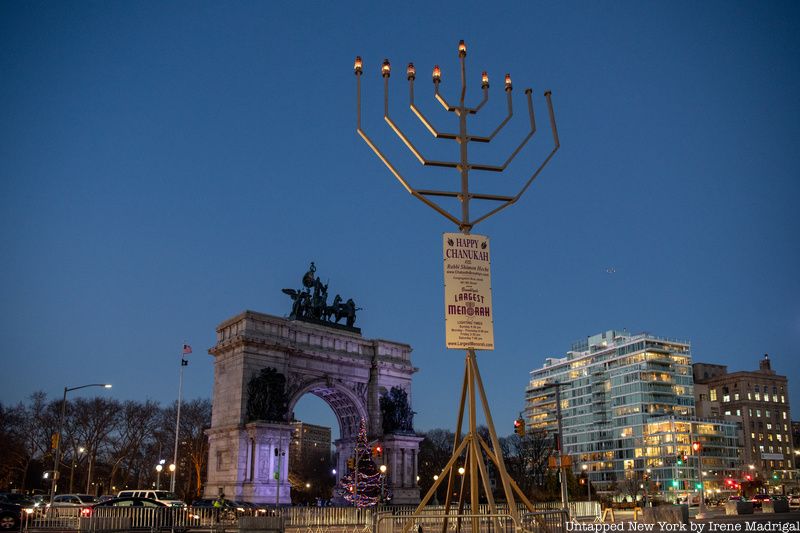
[[403, 137]]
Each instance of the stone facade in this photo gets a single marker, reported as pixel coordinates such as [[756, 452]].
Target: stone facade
[[348, 372]]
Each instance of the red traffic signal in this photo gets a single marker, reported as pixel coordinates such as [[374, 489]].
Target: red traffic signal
[[696, 446], [377, 451], [519, 427]]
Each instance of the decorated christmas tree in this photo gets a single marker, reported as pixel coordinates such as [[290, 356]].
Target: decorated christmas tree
[[363, 485]]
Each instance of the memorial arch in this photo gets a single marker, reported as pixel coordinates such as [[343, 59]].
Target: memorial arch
[[335, 363]]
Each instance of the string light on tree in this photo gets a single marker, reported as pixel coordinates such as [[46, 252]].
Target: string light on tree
[[364, 484]]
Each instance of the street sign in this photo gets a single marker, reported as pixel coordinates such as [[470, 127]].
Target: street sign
[[469, 322]]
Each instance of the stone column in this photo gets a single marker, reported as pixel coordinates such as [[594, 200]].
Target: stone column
[[243, 463], [401, 460]]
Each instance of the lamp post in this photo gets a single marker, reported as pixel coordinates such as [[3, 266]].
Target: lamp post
[[72, 468], [57, 457], [159, 468], [698, 449], [585, 469]]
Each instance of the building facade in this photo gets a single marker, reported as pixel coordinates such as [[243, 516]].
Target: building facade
[[628, 416], [759, 400], [309, 443]]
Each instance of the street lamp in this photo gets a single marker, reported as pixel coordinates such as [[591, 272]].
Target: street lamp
[[159, 468], [57, 457], [382, 468]]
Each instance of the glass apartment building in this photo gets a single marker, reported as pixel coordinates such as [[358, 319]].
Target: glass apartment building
[[628, 415]]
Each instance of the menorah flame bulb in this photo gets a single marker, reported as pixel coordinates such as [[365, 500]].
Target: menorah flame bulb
[[484, 80], [358, 66], [437, 74], [462, 49], [411, 72], [386, 69], [508, 82]]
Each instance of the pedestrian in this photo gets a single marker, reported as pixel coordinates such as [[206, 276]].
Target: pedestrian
[[219, 504]]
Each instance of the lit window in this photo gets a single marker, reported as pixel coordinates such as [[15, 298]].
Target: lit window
[[726, 398], [738, 412], [712, 394], [749, 396], [758, 413], [769, 426], [775, 398], [783, 399], [727, 413], [758, 396], [784, 415], [735, 396]]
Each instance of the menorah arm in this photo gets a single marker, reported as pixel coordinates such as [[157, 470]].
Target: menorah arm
[[423, 119], [557, 145], [402, 180], [406, 140], [501, 168], [480, 139], [483, 102], [441, 99]]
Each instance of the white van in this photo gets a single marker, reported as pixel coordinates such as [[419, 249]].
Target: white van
[[163, 496]]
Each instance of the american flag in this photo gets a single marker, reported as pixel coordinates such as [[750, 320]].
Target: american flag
[[187, 349]]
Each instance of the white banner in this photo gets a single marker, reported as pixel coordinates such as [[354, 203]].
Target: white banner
[[469, 323]]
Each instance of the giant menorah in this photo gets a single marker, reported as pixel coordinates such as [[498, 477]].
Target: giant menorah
[[472, 446]]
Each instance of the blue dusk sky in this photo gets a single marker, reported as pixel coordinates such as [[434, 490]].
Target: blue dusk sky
[[166, 165]]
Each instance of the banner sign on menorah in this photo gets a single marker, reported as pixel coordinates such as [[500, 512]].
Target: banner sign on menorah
[[468, 292]]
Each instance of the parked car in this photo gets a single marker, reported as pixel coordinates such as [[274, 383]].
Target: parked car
[[71, 504], [140, 513], [10, 516], [23, 500], [794, 500], [125, 502], [163, 496], [759, 499]]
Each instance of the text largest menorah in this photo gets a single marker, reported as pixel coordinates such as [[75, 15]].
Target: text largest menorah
[[472, 446]]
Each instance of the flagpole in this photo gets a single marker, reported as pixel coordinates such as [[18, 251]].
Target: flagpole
[[186, 350]]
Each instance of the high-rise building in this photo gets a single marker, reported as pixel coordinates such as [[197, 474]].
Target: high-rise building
[[628, 415], [759, 400], [309, 443]]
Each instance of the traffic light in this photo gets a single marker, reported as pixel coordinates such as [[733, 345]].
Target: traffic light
[[582, 481], [698, 486], [519, 427], [696, 446], [680, 460], [748, 477], [377, 450], [675, 482], [54, 441], [351, 463]]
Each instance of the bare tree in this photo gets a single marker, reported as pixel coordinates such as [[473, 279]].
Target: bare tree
[[93, 420], [138, 425], [434, 453]]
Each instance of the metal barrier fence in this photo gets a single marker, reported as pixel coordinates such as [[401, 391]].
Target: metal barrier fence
[[178, 519], [539, 522], [307, 519]]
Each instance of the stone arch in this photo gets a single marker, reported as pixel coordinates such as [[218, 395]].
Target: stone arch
[[348, 372], [347, 407]]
